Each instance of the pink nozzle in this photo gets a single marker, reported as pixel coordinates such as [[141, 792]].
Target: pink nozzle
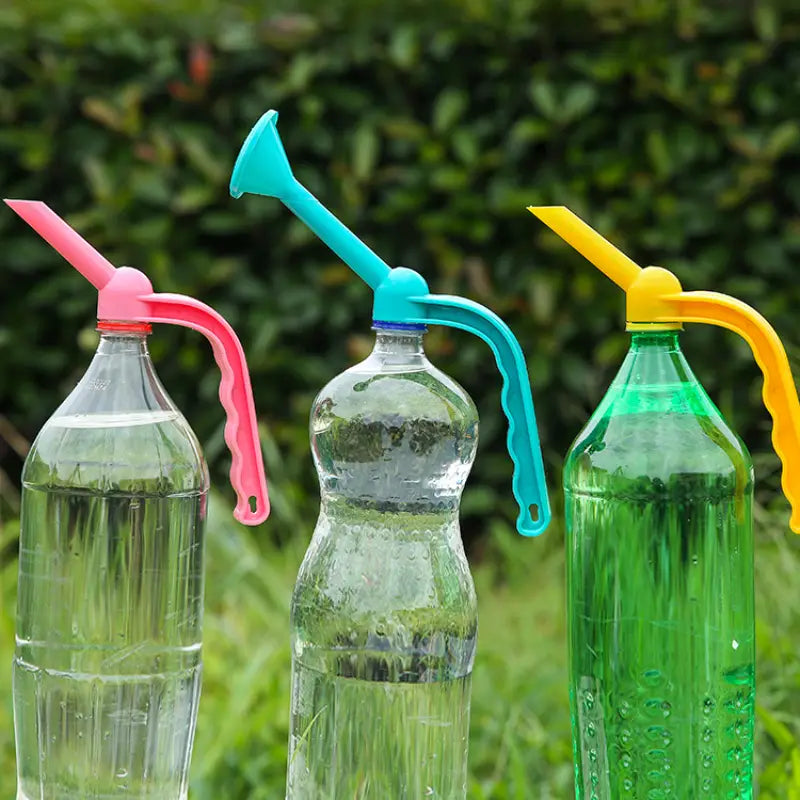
[[97, 269]]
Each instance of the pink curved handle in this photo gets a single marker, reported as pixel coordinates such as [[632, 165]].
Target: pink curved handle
[[235, 394]]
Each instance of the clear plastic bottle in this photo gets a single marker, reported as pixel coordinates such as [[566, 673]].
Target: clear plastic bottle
[[660, 589], [384, 617], [110, 598], [383, 613]]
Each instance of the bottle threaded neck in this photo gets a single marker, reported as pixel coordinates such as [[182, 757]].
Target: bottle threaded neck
[[122, 343], [398, 343], [667, 340]]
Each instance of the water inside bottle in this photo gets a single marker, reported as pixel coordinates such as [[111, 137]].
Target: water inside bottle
[[381, 708], [662, 641], [107, 667], [359, 738]]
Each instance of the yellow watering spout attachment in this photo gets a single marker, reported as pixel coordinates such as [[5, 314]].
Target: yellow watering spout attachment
[[656, 300]]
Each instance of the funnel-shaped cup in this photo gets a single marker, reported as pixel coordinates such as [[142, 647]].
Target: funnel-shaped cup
[[262, 166]]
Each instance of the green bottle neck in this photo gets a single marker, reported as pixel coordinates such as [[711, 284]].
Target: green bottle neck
[[655, 358], [656, 340]]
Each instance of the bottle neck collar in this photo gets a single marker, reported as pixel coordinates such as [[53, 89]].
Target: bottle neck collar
[[654, 358], [399, 348], [398, 342], [122, 343], [657, 340]]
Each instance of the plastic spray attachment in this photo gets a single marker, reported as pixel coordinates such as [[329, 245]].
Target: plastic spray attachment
[[384, 613], [402, 298], [110, 594], [658, 499], [126, 295]]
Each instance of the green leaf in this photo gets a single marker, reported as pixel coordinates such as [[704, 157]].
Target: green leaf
[[766, 19], [365, 151], [544, 98], [782, 139], [404, 46], [448, 109], [577, 101], [780, 733]]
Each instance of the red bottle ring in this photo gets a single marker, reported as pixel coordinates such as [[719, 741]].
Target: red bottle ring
[[110, 326]]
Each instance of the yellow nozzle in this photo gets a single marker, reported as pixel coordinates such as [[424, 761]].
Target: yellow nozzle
[[655, 298], [589, 243]]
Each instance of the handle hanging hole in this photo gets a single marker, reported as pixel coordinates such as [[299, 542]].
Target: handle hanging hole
[[533, 510], [253, 502]]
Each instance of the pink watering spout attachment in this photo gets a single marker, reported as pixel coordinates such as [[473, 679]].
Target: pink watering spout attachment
[[126, 295]]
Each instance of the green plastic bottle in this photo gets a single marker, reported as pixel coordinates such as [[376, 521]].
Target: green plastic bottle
[[660, 575], [658, 495]]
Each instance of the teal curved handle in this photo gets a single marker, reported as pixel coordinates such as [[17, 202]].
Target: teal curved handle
[[529, 486]]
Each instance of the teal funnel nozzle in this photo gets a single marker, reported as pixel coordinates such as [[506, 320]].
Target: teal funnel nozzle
[[263, 168]]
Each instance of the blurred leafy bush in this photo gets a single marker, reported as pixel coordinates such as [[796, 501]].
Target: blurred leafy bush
[[671, 127]]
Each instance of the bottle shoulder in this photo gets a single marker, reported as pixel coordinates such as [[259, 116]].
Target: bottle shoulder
[[118, 431], [424, 392], [657, 432], [391, 438]]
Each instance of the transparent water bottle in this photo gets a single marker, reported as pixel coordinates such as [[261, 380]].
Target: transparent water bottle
[[110, 597], [384, 616], [658, 498]]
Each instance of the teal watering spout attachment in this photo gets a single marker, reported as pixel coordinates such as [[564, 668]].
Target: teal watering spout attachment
[[402, 297]]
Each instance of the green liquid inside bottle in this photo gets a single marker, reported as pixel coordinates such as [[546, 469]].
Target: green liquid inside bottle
[[660, 587]]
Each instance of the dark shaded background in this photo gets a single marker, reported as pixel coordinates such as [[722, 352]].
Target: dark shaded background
[[671, 127]]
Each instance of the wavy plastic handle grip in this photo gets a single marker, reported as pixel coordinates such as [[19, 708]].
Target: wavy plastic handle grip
[[235, 393], [126, 294], [655, 296], [779, 392], [528, 482], [401, 296]]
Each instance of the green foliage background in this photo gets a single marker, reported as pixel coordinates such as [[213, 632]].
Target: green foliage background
[[672, 127]]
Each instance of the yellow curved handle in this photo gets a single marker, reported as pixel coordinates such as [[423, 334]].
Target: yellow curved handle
[[779, 392]]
